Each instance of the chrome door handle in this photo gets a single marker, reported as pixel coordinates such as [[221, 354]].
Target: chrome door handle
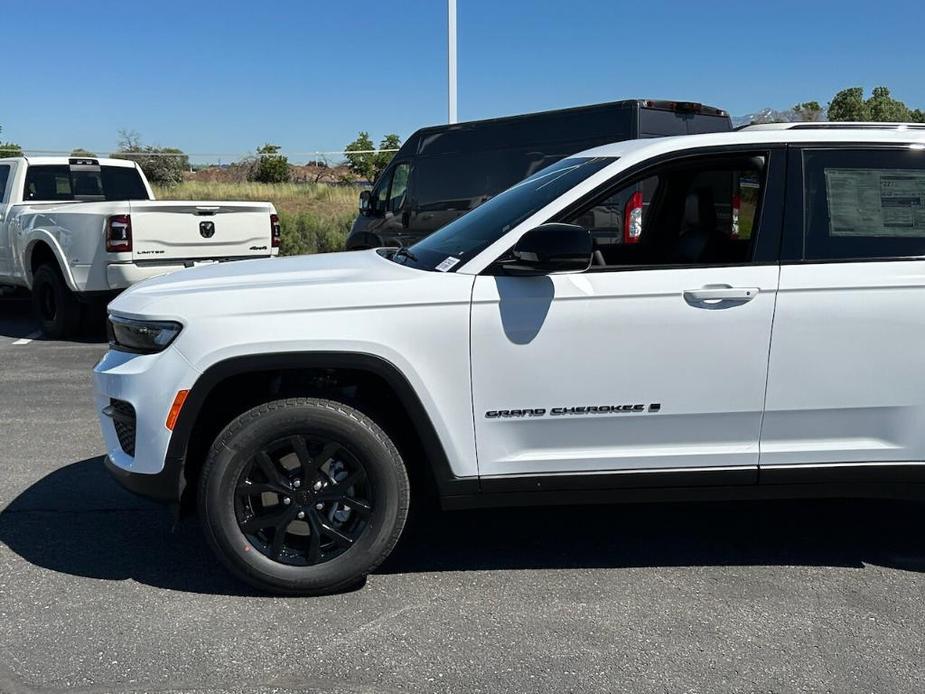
[[720, 294]]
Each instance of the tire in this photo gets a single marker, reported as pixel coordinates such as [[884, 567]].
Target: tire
[[355, 488], [54, 305]]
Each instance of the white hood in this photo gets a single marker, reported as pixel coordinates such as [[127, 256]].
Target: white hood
[[293, 284]]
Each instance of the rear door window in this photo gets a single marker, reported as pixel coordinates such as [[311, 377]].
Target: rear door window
[[864, 204]]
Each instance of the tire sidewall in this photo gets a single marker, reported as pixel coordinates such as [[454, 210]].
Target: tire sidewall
[[48, 279], [235, 448]]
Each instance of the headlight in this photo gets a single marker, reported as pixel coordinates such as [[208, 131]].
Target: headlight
[[141, 336]]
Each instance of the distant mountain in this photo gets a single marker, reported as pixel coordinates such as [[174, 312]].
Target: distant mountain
[[770, 115]]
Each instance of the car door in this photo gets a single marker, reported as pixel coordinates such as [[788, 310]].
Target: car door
[[6, 250], [393, 203], [845, 381], [386, 219], [654, 360]]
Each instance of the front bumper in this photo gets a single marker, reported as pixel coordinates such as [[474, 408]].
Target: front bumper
[[149, 383], [166, 486]]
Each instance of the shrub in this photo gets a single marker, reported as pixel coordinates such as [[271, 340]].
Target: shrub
[[271, 166], [304, 233], [10, 149], [315, 217]]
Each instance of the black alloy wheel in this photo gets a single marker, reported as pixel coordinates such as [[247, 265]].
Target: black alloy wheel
[[303, 500]]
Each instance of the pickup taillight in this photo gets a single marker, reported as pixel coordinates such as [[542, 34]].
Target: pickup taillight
[[736, 209], [119, 234], [632, 218], [275, 230]]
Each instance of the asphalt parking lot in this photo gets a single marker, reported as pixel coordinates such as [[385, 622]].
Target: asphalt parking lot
[[99, 593]]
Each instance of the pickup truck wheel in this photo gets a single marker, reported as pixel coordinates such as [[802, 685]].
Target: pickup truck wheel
[[303, 496], [54, 305]]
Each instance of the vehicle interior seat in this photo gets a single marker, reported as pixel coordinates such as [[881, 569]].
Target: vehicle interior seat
[[698, 235]]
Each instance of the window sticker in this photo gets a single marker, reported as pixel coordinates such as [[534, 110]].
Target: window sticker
[[876, 202], [447, 263]]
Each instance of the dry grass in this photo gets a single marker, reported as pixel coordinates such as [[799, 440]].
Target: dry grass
[[315, 217]]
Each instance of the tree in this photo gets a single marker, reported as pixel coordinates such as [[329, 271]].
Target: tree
[[271, 166], [807, 111], [9, 149], [164, 165], [81, 152], [883, 108], [361, 163], [365, 160], [129, 141], [850, 105]]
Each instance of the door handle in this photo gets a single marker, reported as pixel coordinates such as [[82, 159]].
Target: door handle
[[713, 295]]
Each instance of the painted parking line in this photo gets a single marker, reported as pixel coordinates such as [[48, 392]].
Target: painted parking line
[[27, 339]]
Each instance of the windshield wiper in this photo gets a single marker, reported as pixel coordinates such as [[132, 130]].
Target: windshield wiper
[[405, 253]]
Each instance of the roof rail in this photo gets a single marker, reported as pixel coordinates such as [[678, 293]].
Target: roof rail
[[828, 125]]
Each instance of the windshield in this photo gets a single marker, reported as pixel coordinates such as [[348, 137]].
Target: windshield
[[466, 237]]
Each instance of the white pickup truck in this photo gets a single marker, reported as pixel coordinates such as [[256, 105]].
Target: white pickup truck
[[76, 231]]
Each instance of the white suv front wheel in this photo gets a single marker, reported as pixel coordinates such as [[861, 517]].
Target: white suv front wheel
[[303, 496]]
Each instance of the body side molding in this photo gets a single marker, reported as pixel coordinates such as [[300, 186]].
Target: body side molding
[[904, 480]]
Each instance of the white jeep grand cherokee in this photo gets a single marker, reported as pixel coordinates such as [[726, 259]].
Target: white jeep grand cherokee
[[718, 316]]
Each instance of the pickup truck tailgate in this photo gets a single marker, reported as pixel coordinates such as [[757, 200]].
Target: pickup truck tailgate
[[171, 230]]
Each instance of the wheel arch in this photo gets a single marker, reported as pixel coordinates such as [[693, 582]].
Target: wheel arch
[[185, 452], [42, 248]]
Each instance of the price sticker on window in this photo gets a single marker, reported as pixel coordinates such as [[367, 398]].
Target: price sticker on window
[[447, 264]]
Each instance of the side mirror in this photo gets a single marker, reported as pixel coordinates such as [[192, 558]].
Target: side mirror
[[365, 197], [551, 249]]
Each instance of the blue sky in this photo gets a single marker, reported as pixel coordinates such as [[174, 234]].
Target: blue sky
[[228, 76]]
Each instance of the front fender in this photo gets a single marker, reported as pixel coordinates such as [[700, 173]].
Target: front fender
[[409, 394]]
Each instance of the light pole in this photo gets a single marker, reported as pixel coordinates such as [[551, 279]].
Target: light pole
[[451, 58]]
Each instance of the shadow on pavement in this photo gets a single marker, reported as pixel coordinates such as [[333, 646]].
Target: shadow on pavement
[[16, 322], [16, 317], [78, 521]]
